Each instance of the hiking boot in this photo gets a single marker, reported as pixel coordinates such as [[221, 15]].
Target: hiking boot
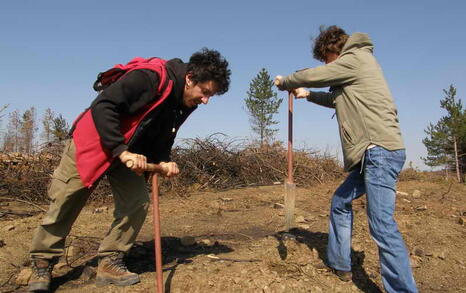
[[41, 274], [342, 275], [112, 270]]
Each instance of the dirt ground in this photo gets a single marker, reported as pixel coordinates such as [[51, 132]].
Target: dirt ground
[[237, 243]]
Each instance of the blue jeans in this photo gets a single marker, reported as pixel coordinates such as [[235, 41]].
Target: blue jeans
[[378, 180]]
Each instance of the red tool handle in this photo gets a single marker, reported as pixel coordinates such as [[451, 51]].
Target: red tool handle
[[157, 169], [157, 234]]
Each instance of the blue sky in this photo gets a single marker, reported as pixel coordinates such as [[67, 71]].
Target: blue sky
[[51, 51]]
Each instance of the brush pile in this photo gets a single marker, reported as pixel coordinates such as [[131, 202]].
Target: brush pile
[[216, 162]]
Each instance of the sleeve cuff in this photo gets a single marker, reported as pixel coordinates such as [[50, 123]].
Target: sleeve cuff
[[119, 149]]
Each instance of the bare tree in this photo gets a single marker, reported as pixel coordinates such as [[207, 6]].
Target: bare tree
[[12, 141], [2, 109], [28, 130], [47, 126]]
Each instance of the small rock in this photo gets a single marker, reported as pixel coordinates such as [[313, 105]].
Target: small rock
[[278, 206], [206, 242], [406, 200], [277, 183], [23, 277], [2, 243], [214, 205], [310, 218], [416, 193], [10, 227], [421, 208], [442, 255], [357, 247], [418, 252], [300, 219], [226, 199], [415, 261], [304, 226], [188, 241], [100, 210], [402, 193], [461, 221], [315, 253]]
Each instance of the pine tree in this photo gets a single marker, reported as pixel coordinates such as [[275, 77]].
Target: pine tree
[[262, 103], [60, 128], [446, 140]]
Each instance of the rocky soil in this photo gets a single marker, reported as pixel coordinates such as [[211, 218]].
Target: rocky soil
[[232, 241]]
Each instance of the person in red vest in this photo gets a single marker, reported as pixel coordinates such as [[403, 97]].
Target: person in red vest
[[135, 118]]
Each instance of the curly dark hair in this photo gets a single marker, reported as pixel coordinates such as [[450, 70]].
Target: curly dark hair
[[330, 40], [206, 65]]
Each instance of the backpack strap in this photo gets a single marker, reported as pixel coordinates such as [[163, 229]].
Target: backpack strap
[[106, 78]]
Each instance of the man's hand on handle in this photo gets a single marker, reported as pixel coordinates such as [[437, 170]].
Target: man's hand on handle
[[170, 169], [138, 162], [299, 93], [278, 81]]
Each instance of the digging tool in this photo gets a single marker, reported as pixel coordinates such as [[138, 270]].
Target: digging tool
[[290, 187], [156, 169]]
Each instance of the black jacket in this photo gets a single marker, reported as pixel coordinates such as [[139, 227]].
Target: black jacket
[[155, 135]]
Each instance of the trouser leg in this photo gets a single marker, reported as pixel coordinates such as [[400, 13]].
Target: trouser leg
[[341, 221], [381, 171], [131, 205], [68, 196]]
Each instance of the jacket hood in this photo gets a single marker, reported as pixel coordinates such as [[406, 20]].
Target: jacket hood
[[358, 41]]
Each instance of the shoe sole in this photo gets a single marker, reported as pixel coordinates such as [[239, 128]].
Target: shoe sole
[[38, 287], [102, 281]]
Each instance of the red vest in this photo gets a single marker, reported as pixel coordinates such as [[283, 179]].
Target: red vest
[[92, 159]]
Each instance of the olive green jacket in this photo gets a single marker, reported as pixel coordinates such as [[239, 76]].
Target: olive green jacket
[[359, 93]]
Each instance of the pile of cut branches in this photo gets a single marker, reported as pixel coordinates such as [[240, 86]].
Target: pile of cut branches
[[216, 162]]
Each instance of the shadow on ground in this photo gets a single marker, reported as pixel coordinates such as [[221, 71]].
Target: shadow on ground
[[141, 259], [318, 241]]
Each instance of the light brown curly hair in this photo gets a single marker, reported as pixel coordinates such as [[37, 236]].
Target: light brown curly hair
[[330, 40]]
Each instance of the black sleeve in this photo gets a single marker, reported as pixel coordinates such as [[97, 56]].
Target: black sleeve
[[127, 96]]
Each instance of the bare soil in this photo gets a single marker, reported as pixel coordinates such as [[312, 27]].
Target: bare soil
[[238, 245]]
